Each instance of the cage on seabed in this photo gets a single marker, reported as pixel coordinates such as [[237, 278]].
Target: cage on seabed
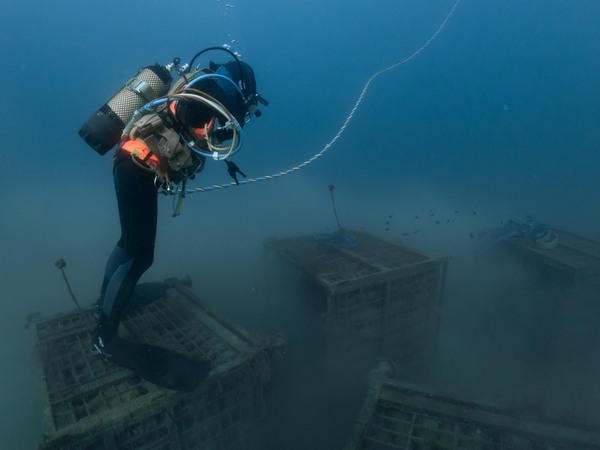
[[90, 403]]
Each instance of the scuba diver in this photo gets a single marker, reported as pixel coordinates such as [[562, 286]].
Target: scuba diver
[[164, 143]]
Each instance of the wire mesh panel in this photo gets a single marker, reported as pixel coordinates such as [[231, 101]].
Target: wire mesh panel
[[374, 295], [396, 416], [93, 404]]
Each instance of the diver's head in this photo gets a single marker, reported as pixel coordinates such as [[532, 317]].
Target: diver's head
[[234, 87], [241, 74]]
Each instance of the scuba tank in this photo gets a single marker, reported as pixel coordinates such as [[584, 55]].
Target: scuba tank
[[103, 129]]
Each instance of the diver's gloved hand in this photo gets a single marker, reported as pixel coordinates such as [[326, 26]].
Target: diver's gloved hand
[[233, 170]]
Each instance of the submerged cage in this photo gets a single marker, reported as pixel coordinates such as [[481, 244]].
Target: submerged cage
[[90, 403], [374, 296], [398, 416], [572, 259], [567, 277]]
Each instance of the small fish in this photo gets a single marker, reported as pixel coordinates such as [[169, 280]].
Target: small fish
[[456, 211], [387, 222], [405, 234], [432, 214], [471, 235], [387, 229], [416, 231], [437, 222], [416, 217], [474, 213], [501, 222], [448, 221], [390, 216]]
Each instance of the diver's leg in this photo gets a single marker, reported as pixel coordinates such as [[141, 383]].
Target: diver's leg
[[118, 257], [134, 253]]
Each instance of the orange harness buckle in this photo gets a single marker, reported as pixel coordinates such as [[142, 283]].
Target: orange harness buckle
[[141, 152]]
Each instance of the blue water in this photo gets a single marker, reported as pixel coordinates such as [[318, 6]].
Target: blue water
[[497, 117]]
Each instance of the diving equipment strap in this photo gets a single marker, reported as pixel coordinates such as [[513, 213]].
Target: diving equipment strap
[[172, 154]]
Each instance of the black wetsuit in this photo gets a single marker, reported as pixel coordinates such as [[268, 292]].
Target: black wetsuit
[[134, 253]]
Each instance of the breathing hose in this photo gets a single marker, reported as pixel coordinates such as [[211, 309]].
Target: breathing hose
[[232, 123], [187, 93]]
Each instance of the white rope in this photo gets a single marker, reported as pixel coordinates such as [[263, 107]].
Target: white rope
[[346, 122]]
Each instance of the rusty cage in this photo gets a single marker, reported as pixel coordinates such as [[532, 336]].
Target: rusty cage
[[375, 296], [399, 416], [91, 404]]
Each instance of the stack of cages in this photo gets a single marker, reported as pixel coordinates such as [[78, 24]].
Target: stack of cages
[[90, 403], [376, 297], [567, 274], [397, 415]]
